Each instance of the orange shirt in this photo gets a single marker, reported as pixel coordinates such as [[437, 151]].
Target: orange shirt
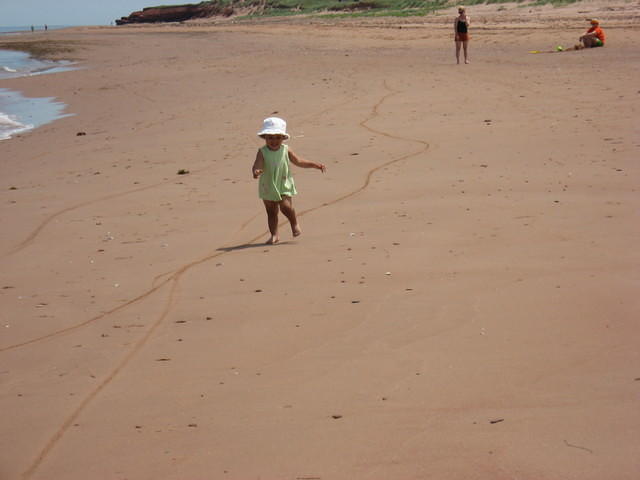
[[598, 31]]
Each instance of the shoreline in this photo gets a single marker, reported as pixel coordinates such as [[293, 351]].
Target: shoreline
[[20, 114], [462, 302]]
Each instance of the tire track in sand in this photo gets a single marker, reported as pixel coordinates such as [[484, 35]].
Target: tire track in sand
[[31, 237], [173, 281], [374, 113]]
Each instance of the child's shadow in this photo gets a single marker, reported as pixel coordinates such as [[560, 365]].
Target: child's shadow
[[245, 246]]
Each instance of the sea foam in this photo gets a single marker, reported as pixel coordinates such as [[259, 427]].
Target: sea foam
[[10, 125], [19, 114]]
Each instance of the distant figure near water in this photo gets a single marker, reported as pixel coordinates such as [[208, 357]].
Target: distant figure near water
[[461, 30]]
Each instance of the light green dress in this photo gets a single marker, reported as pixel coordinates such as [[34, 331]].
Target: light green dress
[[276, 180]]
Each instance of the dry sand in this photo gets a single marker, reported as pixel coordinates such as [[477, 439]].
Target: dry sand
[[463, 303]]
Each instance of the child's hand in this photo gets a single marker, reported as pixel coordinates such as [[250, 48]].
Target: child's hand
[[321, 167], [257, 172]]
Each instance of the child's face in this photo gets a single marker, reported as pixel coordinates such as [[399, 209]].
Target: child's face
[[273, 141]]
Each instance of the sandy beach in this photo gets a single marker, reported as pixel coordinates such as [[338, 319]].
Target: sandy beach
[[463, 301]]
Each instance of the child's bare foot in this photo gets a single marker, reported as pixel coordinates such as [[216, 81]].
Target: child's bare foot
[[295, 229], [273, 239]]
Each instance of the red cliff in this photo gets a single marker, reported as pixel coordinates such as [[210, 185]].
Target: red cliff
[[176, 13]]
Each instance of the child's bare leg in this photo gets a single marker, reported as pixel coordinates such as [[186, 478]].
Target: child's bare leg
[[272, 220], [465, 47], [458, 45], [286, 207]]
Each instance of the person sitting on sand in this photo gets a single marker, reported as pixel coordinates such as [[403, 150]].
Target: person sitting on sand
[[461, 31], [594, 37], [276, 186]]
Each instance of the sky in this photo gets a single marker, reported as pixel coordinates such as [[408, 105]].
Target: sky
[[17, 13]]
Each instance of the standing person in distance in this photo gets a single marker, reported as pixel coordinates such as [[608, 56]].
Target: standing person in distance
[[461, 30], [276, 185]]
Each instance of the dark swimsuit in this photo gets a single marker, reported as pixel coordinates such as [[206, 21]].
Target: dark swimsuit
[[462, 29]]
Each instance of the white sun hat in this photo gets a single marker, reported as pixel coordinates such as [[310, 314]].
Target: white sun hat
[[274, 126]]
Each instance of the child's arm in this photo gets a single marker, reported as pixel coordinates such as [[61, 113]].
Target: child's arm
[[258, 165], [302, 163]]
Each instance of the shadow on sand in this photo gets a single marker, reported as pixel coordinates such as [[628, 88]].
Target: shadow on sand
[[245, 246]]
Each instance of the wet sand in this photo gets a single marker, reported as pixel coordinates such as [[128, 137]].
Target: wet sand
[[462, 302]]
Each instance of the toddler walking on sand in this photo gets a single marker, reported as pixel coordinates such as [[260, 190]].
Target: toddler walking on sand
[[276, 186]]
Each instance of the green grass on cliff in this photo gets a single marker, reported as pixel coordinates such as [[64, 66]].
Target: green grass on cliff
[[363, 7], [352, 8]]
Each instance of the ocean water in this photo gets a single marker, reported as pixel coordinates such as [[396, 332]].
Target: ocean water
[[18, 113], [19, 64]]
